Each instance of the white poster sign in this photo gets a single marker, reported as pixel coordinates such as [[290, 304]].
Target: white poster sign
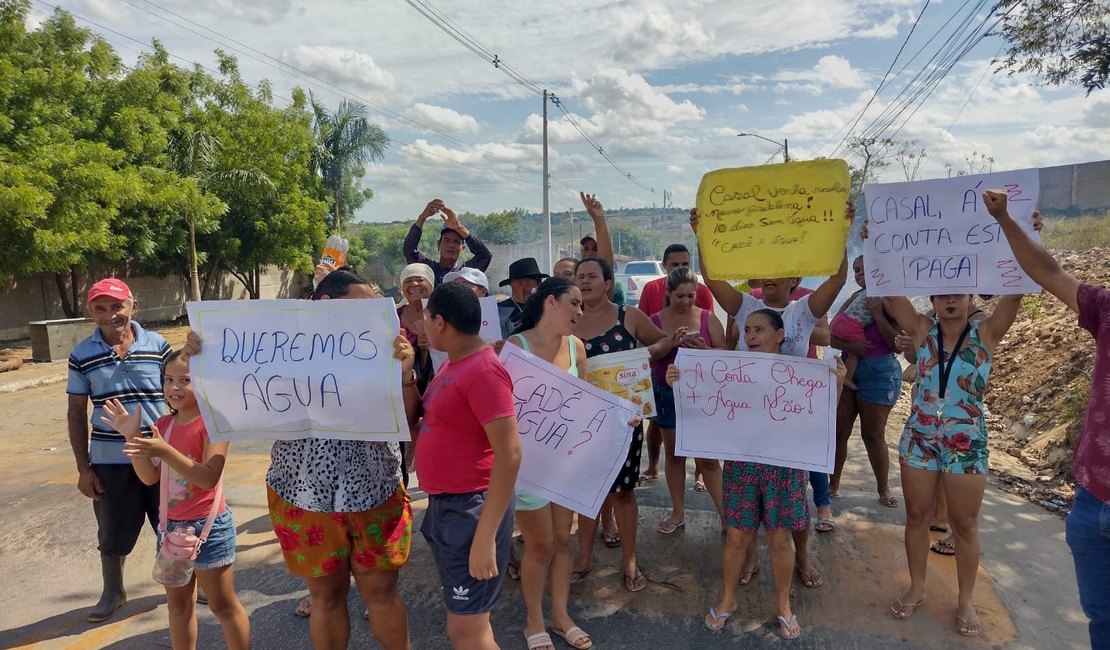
[[288, 369], [575, 436], [935, 236], [758, 407], [490, 332]]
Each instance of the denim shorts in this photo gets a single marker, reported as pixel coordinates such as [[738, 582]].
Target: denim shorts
[[219, 549], [664, 404], [878, 379]]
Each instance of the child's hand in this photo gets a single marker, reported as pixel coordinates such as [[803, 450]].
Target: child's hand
[[498, 346], [863, 230], [117, 417], [483, 559], [1038, 221], [148, 448], [841, 370], [635, 421], [672, 374], [192, 345], [903, 341]]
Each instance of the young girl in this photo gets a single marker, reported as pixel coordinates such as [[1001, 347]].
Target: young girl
[[196, 465], [546, 327], [754, 494]]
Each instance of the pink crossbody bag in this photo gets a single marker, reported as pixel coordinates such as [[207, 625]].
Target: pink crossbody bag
[[176, 545]]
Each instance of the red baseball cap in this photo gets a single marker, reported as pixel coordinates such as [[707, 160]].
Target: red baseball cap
[[112, 287]]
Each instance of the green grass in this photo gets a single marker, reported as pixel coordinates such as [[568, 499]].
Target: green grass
[[1075, 401], [1077, 233], [1031, 306]]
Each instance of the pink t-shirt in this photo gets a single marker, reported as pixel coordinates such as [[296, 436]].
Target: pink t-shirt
[[654, 295], [187, 501], [1091, 466], [453, 454]]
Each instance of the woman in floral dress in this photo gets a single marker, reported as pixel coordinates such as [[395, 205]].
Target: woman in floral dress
[[945, 437]]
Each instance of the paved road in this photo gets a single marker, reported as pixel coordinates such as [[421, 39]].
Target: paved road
[[1026, 594]]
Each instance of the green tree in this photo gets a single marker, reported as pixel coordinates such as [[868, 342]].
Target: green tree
[[345, 142], [1063, 41]]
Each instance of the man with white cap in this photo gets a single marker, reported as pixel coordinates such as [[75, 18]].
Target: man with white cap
[[478, 282], [119, 360]]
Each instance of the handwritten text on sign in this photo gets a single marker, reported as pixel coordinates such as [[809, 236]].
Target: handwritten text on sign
[[758, 407], [774, 221], [935, 236], [490, 330], [575, 436], [288, 369]]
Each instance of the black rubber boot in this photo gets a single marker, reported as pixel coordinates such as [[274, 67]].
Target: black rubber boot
[[114, 595]]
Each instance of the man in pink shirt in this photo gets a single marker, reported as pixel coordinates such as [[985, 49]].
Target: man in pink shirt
[[1088, 523], [467, 457], [654, 293]]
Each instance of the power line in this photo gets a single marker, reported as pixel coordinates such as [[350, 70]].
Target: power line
[[440, 20]]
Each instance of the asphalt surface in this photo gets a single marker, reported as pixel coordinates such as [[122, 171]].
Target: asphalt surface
[[1026, 592]]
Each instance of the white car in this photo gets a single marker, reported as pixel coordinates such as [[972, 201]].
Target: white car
[[635, 275]]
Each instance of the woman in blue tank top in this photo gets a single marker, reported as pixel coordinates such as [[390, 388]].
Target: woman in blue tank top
[[545, 331]]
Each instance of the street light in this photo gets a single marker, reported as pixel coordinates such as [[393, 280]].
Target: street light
[[784, 145]]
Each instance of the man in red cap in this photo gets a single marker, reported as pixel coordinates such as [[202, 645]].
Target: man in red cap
[[124, 361]]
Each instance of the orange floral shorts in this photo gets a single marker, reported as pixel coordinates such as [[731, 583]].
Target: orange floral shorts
[[317, 544]]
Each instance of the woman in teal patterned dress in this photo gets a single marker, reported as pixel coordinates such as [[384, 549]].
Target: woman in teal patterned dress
[[945, 438]]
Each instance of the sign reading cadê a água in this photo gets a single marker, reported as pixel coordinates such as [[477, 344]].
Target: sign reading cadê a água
[[935, 236], [575, 437], [774, 221], [288, 369]]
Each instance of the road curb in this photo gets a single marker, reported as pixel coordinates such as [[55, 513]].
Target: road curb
[[14, 386]]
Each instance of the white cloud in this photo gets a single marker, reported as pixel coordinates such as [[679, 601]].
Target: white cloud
[[830, 71], [655, 35], [340, 66], [443, 119], [259, 12], [103, 10]]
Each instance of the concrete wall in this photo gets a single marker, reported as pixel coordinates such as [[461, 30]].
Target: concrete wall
[[1075, 189], [160, 299]]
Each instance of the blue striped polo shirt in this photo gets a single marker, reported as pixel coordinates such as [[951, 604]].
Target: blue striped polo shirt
[[97, 371]]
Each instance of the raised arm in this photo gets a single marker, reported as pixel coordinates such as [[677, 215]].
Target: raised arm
[[915, 324], [411, 246], [1033, 258], [601, 229], [726, 295], [994, 327]]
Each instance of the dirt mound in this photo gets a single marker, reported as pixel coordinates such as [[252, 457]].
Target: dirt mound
[[1038, 389], [10, 360]]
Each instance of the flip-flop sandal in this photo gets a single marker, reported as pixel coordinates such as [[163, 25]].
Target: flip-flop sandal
[[579, 576], [513, 568], [637, 582], [889, 501], [646, 478], [787, 626], [668, 527], [902, 610], [304, 607], [813, 579], [714, 622], [539, 640], [938, 529], [824, 525], [699, 486], [943, 547], [612, 540], [969, 627], [746, 576], [575, 637]]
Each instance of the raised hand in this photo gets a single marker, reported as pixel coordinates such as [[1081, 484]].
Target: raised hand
[[694, 220], [997, 202], [152, 447], [192, 345], [116, 416], [403, 352], [593, 206], [434, 206]]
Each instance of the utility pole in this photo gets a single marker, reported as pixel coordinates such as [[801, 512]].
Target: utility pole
[[546, 185]]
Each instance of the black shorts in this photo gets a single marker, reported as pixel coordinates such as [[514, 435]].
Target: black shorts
[[448, 527], [120, 511]]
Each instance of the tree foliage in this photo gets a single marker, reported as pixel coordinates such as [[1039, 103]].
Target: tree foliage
[[158, 168], [1063, 41]]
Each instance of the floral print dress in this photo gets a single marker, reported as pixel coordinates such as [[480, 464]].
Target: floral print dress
[[948, 434]]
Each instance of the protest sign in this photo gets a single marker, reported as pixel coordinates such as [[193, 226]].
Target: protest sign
[[758, 407], [575, 436], [774, 221], [935, 236], [288, 369], [490, 331], [625, 374]]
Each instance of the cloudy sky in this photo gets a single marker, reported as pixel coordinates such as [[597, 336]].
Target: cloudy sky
[[661, 88]]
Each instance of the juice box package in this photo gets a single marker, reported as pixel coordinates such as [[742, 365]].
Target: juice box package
[[625, 374]]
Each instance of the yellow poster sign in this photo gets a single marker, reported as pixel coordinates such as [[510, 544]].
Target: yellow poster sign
[[774, 221]]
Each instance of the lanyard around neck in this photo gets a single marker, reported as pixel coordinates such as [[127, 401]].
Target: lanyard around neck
[[946, 368]]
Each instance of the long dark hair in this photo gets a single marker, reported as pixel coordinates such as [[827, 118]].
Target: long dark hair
[[533, 309], [337, 283], [606, 268], [772, 315]]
